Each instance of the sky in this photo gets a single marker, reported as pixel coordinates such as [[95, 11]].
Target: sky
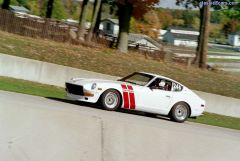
[[171, 4]]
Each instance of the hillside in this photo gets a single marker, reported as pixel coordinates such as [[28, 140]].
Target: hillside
[[111, 62]]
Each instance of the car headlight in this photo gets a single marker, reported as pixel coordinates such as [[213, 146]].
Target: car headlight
[[94, 85]]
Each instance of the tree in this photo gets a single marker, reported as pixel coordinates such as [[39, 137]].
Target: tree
[[165, 18], [82, 20], [205, 33], [5, 4], [22, 2], [96, 12], [189, 17], [178, 22], [104, 8], [231, 26], [196, 23], [124, 16], [232, 11], [35, 6], [49, 8], [98, 20], [126, 9], [59, 12], [52, 9], [202, 45], [149, 24]]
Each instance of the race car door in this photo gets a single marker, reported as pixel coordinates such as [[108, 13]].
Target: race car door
[[155, 98]]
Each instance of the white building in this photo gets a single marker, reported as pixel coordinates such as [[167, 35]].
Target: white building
[[109, 26], [161, 34], [181, 36], [234, 39]]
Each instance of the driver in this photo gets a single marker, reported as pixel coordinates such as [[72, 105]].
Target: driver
[[162, 84], [159, 84]]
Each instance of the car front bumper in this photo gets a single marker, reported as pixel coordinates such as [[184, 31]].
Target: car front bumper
[[86, 98]]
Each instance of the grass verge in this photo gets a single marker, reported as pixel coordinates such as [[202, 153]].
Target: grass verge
[[32, 88], [215, 60], [108, 61], [218, 120]]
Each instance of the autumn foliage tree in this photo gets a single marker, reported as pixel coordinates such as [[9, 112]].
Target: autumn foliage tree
[[165, 18], [127, 9], [148, 24]]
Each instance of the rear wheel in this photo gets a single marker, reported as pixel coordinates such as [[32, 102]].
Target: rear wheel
[[111, 100], [180, 112]]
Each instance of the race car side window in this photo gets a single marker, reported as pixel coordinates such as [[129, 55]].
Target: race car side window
[[176, 87], [162, 84]]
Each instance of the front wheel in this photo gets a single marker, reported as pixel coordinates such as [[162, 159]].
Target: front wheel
[[180, 112], [111, 100]]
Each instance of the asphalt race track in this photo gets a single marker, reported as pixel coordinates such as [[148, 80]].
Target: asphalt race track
[[47, 129]]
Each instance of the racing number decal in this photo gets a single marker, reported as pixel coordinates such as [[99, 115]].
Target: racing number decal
[[128, 97]]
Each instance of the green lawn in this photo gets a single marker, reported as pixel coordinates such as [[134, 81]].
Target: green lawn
[[215, 60], [215, 49], [218, 120], [109, 61], [32, 88]]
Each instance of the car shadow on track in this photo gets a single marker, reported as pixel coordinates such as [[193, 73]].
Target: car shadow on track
[[99, 107]]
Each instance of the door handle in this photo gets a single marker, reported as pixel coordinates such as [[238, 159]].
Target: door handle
[[168, 96]]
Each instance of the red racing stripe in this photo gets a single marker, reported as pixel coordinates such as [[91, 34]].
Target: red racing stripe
[[126, 101], [125, 97], [131, 97], [124, 86], [130, 87], [132, 100]]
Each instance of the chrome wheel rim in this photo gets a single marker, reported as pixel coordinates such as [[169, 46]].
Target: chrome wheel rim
[[111, 100], [181, 112]]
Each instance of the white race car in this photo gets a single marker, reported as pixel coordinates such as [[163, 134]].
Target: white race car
[[139, 91]]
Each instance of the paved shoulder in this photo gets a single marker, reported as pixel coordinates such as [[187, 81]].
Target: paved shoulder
[[37, 128]]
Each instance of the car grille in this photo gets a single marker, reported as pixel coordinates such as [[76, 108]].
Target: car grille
[[74, 89]]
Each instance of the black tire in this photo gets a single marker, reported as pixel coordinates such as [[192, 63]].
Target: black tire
[[180, 112], [111, 100]]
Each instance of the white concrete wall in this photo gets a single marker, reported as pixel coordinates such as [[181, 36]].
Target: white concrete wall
[[221, 104], [43, 72], [47, 73]]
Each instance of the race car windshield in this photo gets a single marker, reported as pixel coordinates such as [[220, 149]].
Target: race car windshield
[[138, 78]]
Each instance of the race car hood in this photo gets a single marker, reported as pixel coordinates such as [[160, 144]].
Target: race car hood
[[83, 81]]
